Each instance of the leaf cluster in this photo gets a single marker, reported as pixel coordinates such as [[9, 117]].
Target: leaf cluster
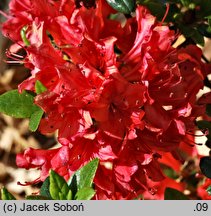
[[79, 186], [21, 105], [190, 17]]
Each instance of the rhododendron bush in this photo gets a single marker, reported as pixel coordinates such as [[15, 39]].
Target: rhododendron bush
[[109, 79]]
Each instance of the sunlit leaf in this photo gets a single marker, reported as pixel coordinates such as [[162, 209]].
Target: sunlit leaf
[[59, 189], [123, 6]]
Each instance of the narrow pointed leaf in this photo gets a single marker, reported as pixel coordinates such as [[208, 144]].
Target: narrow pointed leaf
[[44, 190], [69, 195], [6, 195], [73, 184], [85, 194], [59, 189], [85, 175]]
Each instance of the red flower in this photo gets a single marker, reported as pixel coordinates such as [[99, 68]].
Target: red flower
[[158, 189], [67, 159], [40, 159], [126, 108], [17, 19]]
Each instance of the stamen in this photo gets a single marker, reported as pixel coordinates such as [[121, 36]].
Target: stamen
[[36, 181], [16, 55], [171, 94], [13, 62], [4, 14], [13, 56], [166, 13]]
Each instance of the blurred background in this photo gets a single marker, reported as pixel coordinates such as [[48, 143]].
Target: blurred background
[[14, 134]]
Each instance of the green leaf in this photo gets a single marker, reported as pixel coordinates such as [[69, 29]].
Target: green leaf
[[85, 175], [21, 106], [139, 197], [205, 166], [35, 120], [208, 20], [39, 87], [209, 32], [173, 194], [192, 33], [44, 190], [17, 105], [73, 184], [123, 6], [59, 189], [204, 29], [6, 195], [157, 8], [23, 36], [36, 116], [69, 195], [197, 37], [186, 2], [205, 8], [170, 173], [36, 197], [209, 190], [85, 194]]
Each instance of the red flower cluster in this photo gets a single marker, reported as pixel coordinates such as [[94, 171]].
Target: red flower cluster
[[116, 91]]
